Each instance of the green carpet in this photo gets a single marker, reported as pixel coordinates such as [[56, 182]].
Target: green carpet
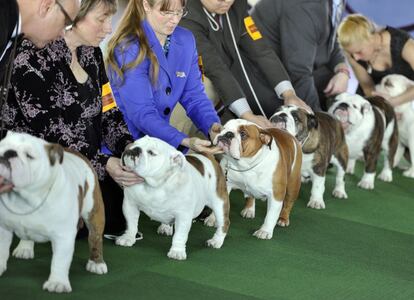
[[359, 248]]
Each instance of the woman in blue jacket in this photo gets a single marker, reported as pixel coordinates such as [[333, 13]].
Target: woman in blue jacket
[[153, 64]]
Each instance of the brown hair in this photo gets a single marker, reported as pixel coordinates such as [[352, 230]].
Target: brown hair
[[130, 28], [88, 5], [355, 28]]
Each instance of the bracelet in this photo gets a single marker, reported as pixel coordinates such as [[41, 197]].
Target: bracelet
[[191, 143], [345, 71]]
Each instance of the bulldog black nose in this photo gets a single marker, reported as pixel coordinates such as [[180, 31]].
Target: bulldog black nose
[[10, 154], [388, 83], [130, 152], [229, 135], [278, 118], [343, 106]]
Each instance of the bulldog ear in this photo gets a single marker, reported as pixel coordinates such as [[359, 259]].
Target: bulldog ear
[[265, 137], [312, 121], [55, 153], [177, 159]]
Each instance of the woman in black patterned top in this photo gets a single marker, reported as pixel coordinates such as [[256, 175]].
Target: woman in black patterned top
[[61, 93], [375, 52]]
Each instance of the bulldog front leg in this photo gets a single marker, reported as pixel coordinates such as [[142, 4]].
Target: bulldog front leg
[[131, 214], [318, 188], [274, 208], [58, 280], [179, 240], [220, 209], [5, 242], [24, 250], [249, 209], [410, 172]]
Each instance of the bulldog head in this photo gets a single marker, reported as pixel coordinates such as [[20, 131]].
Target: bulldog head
[[241, 138], [27, 161], [394, 85], [297, 121], [350, 110], [153, 159]]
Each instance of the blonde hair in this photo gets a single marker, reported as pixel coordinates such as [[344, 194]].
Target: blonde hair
[[355, 28], [130, 29], [88, 5]]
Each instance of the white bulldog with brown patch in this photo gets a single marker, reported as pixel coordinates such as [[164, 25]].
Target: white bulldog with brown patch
[[264, 164], [370, 126], [323, 141], [394, 85], [175, 191], [53, 189]]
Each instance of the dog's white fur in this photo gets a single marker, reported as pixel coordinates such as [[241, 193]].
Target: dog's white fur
[[174, 192], [394, 85], [44, 204], [255, 175], [361, 125]]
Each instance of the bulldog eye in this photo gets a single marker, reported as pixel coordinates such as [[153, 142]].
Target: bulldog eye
[[150, 152], [243, 135], [29, 156], [354, 106]]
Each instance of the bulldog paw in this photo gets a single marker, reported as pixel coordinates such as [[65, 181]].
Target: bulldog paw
[[97, 268], [23, 252], [385, 175], [316, 203], [210, 221], [215, 242], [262, 234], [339, 193], [165, 229], [57, 286], [177, 254], [282, 222], [409, 173], [368, 185], [125, 240], [248, 213]]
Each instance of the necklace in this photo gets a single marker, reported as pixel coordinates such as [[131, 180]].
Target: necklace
[[376, 53]]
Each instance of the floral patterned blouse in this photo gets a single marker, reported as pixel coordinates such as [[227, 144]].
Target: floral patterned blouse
[[47, 101]]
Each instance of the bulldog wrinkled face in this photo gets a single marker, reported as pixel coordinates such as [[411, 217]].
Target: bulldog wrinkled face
[[152, 158], [350, 110], [394, 85], [25, 160], [295, 120], [241, 138]]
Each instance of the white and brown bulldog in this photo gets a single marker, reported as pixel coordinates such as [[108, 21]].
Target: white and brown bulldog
[[394, 85], [264, 164], [175, 191], [369, 125], [53, 189], [323, 141]]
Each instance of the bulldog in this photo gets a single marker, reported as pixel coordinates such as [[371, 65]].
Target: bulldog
[[53, 189], [175, 190], [394, 85], [323, 141], [369, 125], [264, 164]]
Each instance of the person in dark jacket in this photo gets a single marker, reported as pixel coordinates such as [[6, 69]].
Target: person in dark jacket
[[40, 21], [226, 36], [303, 34]]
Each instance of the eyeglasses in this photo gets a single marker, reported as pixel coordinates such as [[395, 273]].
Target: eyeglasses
[[68, 20], [171, 13]]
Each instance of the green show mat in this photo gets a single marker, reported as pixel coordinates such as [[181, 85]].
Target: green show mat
[[357, 248]]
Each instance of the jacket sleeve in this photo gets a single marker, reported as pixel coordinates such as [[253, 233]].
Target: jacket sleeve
[[259, 51], [215, 68], [199, 108], [137, 98]]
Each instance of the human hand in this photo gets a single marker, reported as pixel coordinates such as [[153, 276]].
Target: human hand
[[5, 185], [121, 174], [201, 146], [337, 85], [295, 100], [257, 119]]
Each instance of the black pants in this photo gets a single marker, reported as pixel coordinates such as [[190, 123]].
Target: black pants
[[113, 196]]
